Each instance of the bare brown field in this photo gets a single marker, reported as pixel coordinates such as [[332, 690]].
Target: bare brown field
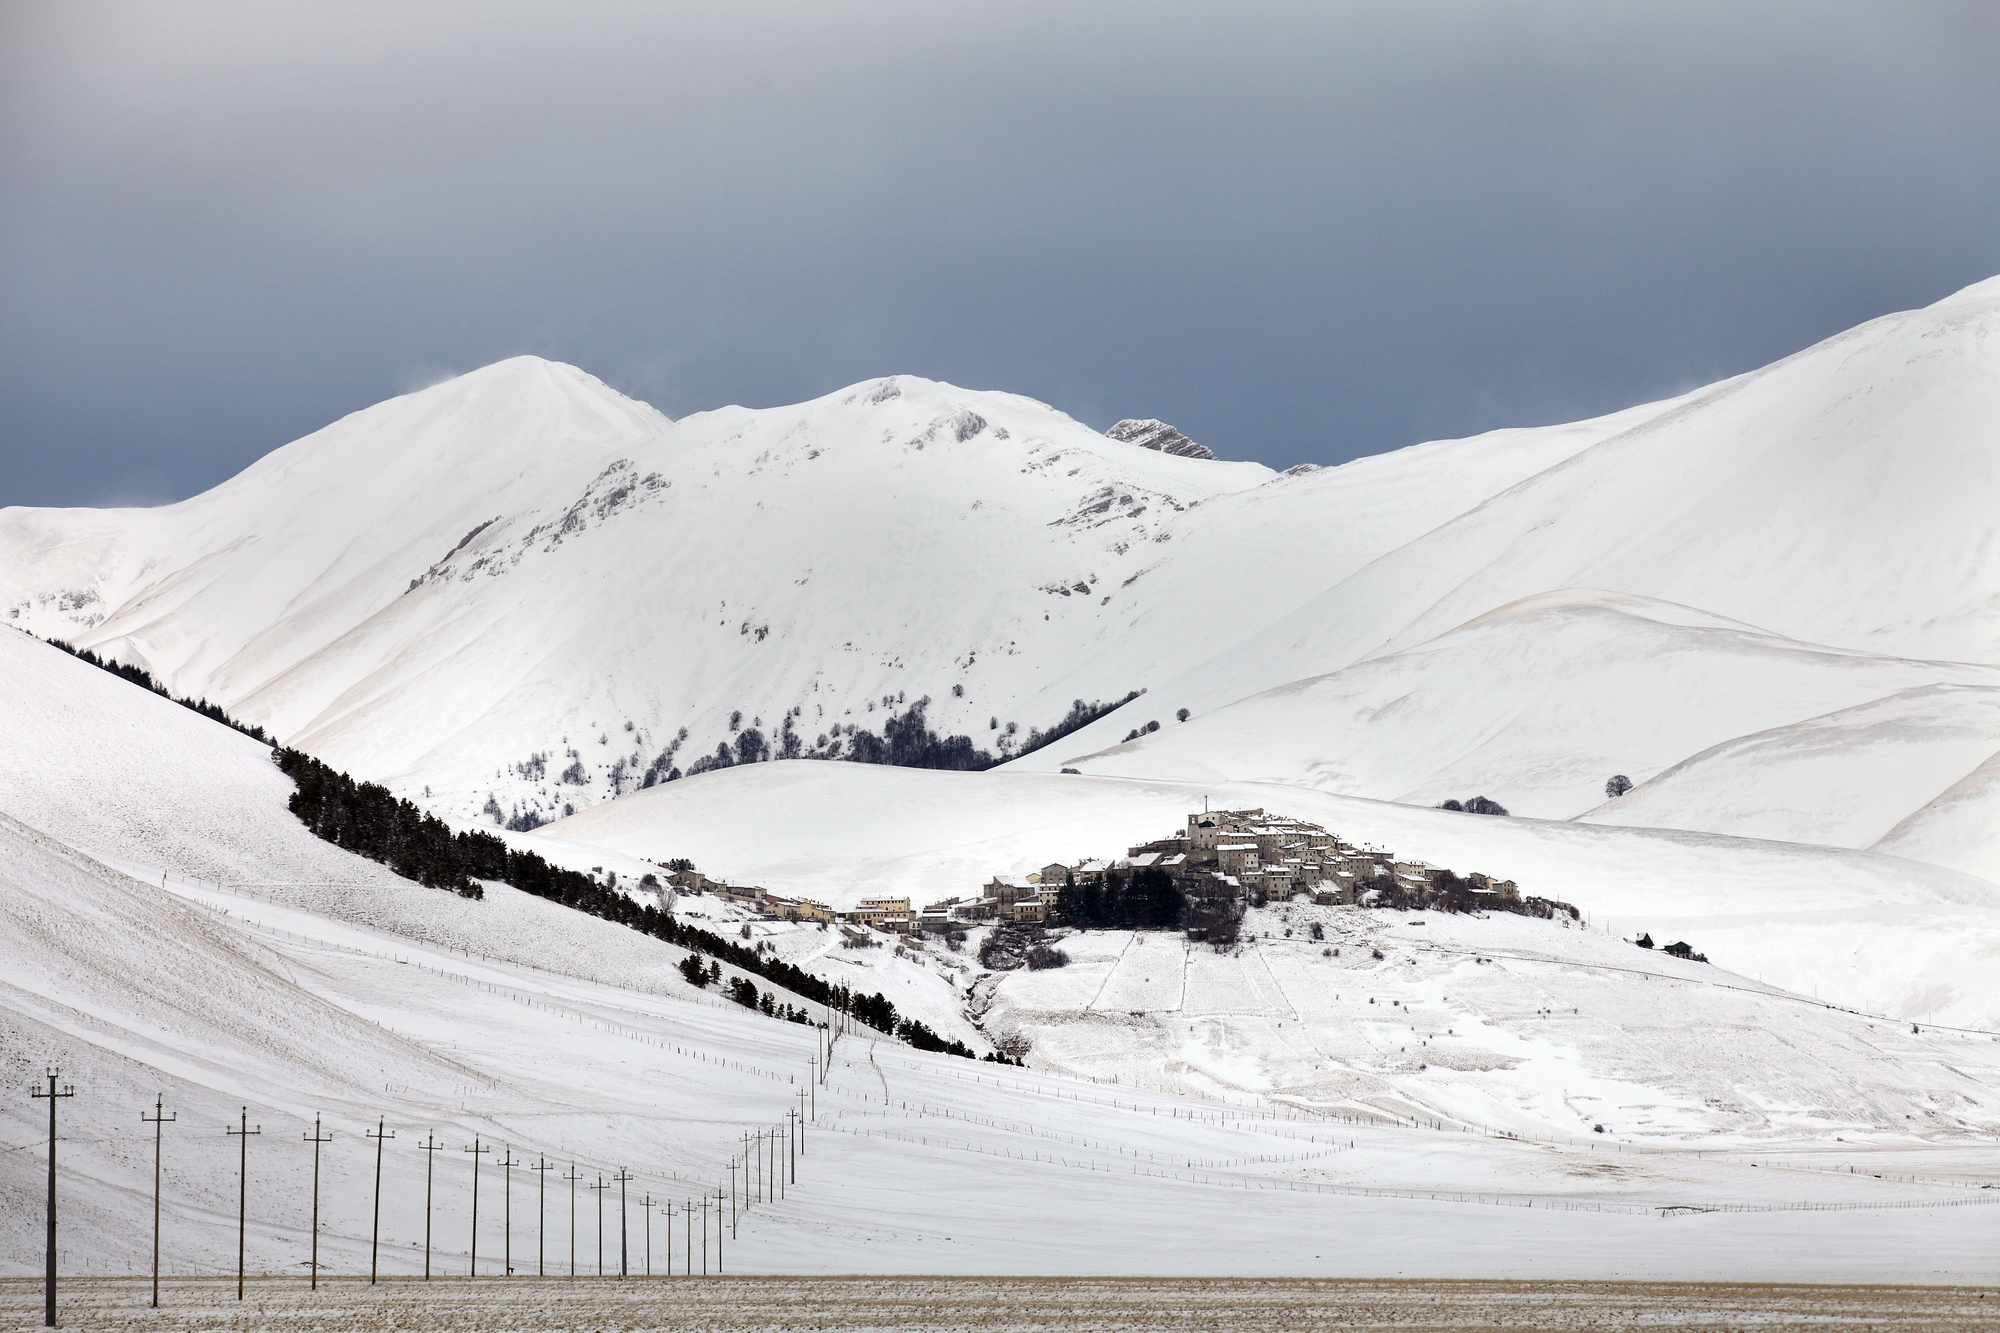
[[994, 1305]]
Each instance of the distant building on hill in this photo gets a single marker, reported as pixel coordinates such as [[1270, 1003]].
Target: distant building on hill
[[883, 914], [1237, 855]]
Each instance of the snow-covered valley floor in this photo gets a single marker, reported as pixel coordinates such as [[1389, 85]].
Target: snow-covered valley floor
[[913, 1163]]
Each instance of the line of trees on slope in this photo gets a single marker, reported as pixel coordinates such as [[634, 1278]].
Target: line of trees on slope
[[144, 680], [907, 740], [371, 821]]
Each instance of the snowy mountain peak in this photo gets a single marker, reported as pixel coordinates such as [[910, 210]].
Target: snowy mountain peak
[[1987, 289], [1148, 433], [522, 389]]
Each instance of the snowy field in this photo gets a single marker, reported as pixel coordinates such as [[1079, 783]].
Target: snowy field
[[298, 982], [986, 1305], [1877, 933], [912, 1163], [1498, 1024]]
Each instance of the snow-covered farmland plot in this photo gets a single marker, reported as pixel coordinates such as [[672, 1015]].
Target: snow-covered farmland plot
[[1508, 1024], [1005, 1305]]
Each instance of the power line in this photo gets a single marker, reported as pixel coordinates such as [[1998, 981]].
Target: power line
[[601, 1186], [541, 1168], [507, 1166], [572, 1177], [381, 1134], [53, 1095], [316, 1138], [241, 1133], [477, 1152], [430, 1148], [646, 1205], [622, 1178], [157, 1119], [667, 1211]]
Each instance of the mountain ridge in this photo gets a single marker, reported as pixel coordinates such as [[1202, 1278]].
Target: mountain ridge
[[469, 591]]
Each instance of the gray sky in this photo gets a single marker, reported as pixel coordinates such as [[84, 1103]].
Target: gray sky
[[1299, 232]]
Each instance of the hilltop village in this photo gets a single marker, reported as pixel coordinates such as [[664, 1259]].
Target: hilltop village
[[1195, 879]]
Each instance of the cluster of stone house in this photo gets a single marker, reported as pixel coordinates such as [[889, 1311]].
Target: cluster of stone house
[[1235, 854], [1238, 855], [893, 914], [1249, 853]]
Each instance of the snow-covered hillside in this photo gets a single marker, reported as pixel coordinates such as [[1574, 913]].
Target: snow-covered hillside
[[522, 563], [520, 586], [1874, 932], [182, 937], [1539, 702], [519, 592], [1648, 599]]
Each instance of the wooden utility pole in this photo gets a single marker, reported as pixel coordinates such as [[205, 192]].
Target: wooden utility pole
[[718, 1232], [687, 1269], [473, 1269], [541, 1168], [381, 1134], [430, 1148], [795, 1140], [316, 1138], [704, 1235], [623, 1177], [242, 1132], [801, 1122], [667, 1208], [601, 1186], [54, 1095], [572, 1177], [156, 1120], [647, 1204], [507, 1165]]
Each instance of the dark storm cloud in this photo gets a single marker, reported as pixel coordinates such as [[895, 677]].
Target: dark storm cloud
[[1300, 233]]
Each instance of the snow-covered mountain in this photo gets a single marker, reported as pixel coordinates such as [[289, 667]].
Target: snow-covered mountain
[[1814, 537], [518, 593], [480, 587], [521, 562]]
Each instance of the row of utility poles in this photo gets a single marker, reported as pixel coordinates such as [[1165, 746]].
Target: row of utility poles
[[768, 1162]]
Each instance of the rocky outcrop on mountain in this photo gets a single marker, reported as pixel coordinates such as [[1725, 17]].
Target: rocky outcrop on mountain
[[1150, 434]]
